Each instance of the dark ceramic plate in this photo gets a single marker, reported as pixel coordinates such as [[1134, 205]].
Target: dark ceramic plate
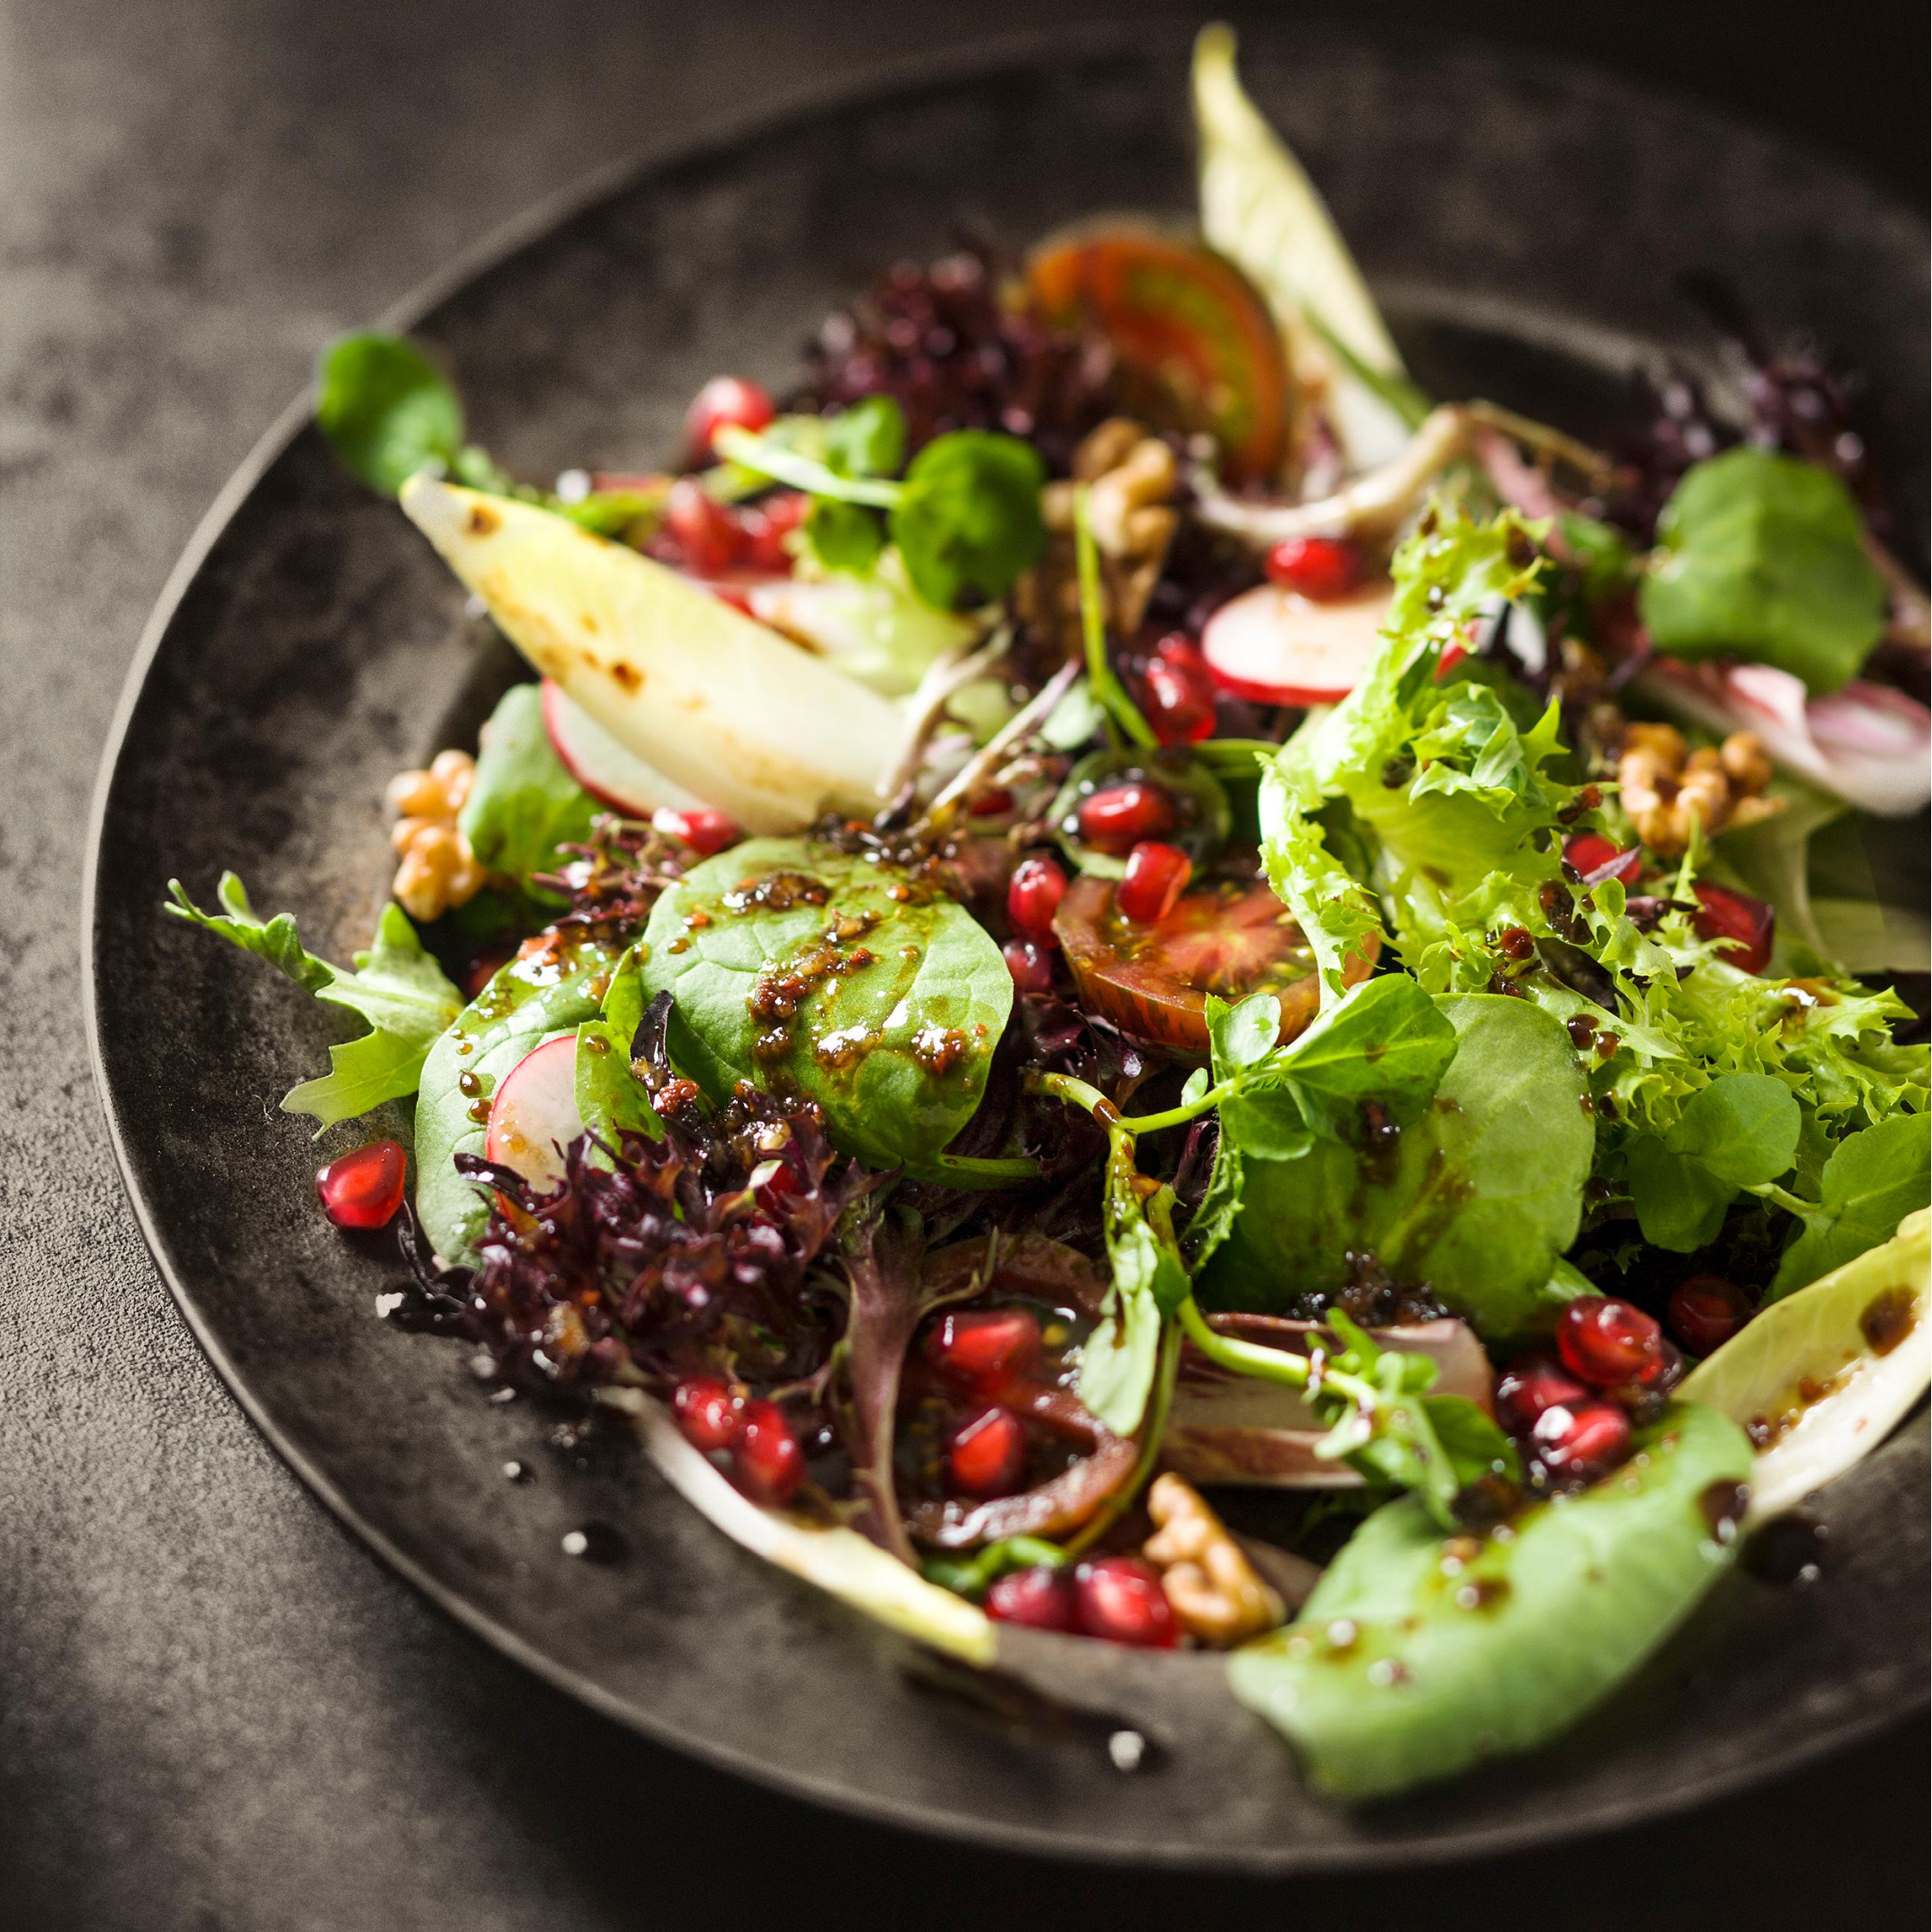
[[1524, 226]]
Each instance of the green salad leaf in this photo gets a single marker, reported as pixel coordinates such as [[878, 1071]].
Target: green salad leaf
[[1420, 1656], [1740, 1131], [398, 988], [1336, 913], [1762, 555], [965, 521], [969, 521], [386, 409], [523, 802], [840, 976], [1872, 1179], [610, 1098], [1120, 1360], [1478, 1196], [542, 994]]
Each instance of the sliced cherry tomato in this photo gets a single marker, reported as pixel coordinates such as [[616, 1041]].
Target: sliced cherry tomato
[[1749, 926], [1186, 322], [1228, 939], [1274, 645]]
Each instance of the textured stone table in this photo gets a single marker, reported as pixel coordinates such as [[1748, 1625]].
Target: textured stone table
[[216, 1710]]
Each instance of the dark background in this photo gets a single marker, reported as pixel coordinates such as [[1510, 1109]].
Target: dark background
[[216, 1711]]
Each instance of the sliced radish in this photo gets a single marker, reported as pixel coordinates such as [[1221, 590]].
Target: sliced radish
[[533, 1117], [1274, 645], [606, 768]]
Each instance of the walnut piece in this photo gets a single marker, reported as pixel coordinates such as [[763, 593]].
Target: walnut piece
[[1214, 1591], [1132, 479], [437, 869], [1664, 786]]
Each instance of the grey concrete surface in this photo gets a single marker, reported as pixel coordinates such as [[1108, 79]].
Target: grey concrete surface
[[216, 1710]]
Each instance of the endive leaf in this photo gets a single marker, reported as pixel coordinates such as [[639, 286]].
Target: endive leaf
[[1819, 1378]]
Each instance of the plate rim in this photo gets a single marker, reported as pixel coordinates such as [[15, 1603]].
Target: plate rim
[[875, 83]]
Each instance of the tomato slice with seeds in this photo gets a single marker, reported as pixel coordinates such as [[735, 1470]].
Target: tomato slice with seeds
[[1186, 321], [1227, 938]]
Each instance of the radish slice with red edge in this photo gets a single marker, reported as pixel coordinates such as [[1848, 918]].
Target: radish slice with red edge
[[533, 1117], [1272, 646], [607, 769]]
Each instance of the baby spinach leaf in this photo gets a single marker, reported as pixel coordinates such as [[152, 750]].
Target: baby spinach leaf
[[1385, 1041], [610, 1098], [1874, 1179], [543, 994], [795, 964], [1415, 1660], [1762, 556], [1478, 1196], [386, 409], [397, 986], [523, 802], [968, 520], [1740, 1131]]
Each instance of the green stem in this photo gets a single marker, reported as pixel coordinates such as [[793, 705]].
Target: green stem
[[782, 465], [1078, 1093], [1271, 1365], [1101, 677], [1153, 1426], [1771, 1191]]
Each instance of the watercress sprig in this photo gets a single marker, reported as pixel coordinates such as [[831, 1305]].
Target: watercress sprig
[[966, 518]]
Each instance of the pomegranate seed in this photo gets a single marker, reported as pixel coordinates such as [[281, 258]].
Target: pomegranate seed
[[1120, 1598], [1607, 1343], [704, 830], [1665, 1373], [363, 1188], [766, 1458], [1034, 896], [1180, 693], [701, 527], [709, 1411], [1030, 965], [1582, 1442], [1319, 567], [1156, 875], [766, 528], [1595, 859], [725, 399], [995, 802], [987, 1457], [1748, 926], [1041, 1598], [1118, 817], [1707, 1311], [982, 1348], [1531, 1385]]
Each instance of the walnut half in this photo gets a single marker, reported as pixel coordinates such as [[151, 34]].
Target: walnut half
[[1132, 479], [1215, 1592]]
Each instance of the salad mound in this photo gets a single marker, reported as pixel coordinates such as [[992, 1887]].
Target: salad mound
[[1120, 978]]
